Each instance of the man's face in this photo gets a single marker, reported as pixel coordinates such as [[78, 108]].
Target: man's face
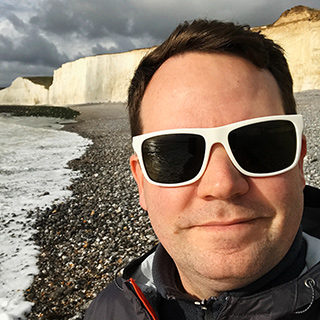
[[225, 230]]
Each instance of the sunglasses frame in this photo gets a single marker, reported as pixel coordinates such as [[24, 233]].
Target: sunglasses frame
[[220, 135]]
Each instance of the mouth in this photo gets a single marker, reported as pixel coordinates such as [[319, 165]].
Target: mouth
[[229, 224]]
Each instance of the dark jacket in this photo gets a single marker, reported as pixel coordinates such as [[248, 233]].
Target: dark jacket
[[125, 298]]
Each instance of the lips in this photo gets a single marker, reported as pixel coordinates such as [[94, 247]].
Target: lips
[[227, 224]]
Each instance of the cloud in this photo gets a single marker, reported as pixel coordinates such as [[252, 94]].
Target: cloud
[[56, 17], [92, 19], [97, 19], [17, 69], [44, 34], [17, 23], [30, 47]]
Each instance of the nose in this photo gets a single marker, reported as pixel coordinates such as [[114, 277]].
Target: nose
[[221, 179]]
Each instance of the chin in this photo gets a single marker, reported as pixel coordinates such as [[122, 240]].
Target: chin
[[236, 268]]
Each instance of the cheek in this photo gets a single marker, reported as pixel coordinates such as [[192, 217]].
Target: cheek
[[285, 194], [165, 207]]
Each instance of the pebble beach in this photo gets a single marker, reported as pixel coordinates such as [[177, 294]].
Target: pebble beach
[[86, 240]]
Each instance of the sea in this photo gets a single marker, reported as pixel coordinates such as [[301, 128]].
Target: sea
[[34, 173]]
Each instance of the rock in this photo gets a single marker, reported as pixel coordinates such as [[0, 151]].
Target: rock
[[85, 240], [298, 32], [105, 78]]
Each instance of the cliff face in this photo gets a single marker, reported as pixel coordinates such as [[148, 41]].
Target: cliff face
[[24, 92], [298, 32], [105, 78]]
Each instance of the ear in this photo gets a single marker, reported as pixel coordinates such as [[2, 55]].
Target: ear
[[139, 178], [302, 155]]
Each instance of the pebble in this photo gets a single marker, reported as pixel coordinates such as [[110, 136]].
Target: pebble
[[88, 238], [308, 104]]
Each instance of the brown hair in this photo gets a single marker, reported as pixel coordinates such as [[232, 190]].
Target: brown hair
[[212, 37]]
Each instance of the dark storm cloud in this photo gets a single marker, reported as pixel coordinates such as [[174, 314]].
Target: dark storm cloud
[[56, 17], [47, 33], [15, 21], [94, 19], [32, 48], [148, 19]]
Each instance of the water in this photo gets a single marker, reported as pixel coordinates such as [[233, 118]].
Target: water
[[33, 173]]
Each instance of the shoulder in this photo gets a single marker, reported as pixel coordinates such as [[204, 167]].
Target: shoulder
[[109, 303], [118, 301], [313, 252]]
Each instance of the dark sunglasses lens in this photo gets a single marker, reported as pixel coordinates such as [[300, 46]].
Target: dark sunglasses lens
[[173, 158], [264, 147]]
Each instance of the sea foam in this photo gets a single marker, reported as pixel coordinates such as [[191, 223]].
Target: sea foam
[[33, 173]]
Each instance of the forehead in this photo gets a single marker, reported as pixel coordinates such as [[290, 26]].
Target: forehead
[[207, 90]]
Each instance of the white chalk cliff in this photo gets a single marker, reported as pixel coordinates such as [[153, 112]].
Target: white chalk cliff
[[105, 78], [24, 91], [298, 32]]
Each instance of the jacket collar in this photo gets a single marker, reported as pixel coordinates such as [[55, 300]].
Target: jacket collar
[[293, 296]]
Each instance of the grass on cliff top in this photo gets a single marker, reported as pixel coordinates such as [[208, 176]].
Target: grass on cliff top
[[43, 81], [40, 111]]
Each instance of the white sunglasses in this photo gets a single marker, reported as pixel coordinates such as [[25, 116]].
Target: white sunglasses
[[259, 147]]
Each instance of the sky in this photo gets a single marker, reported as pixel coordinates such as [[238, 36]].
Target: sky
[[38, 36]]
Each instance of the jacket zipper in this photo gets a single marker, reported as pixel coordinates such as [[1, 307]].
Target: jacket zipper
[[207, 307], [145, 303]]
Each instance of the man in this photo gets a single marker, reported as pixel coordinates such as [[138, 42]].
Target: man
[[219, 166]]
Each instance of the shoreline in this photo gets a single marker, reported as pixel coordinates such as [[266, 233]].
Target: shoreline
[[39, 111], [34, 173], [85, 240]]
